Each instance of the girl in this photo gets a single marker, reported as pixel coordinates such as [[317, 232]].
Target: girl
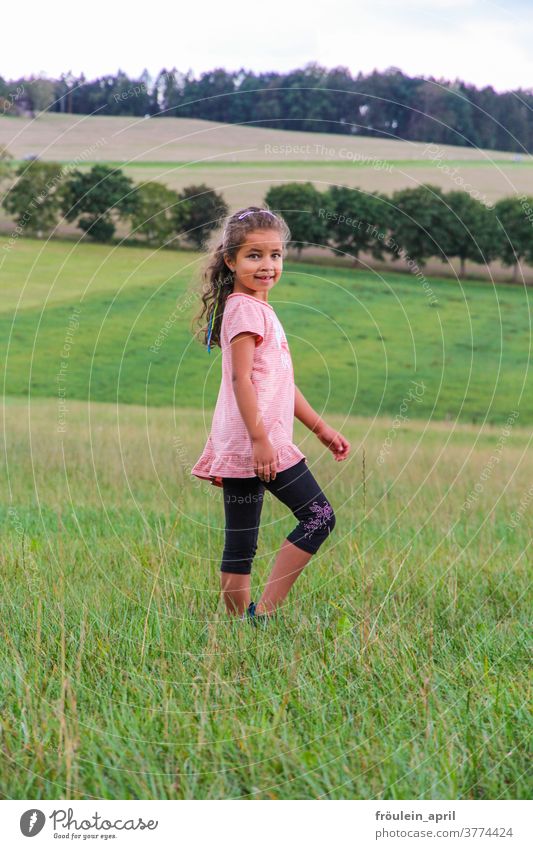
[[250, 447]]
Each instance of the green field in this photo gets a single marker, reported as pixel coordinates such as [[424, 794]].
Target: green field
[[358, 340], [398, 669], [289, 163], [244, 161]]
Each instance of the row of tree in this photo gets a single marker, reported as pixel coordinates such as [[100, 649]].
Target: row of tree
[[386, 104], [97, 199], [412, 224]]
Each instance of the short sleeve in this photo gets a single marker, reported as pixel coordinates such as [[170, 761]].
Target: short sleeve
[[241, 315]]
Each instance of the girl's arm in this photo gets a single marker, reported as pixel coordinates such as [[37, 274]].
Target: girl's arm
[[242, 358]]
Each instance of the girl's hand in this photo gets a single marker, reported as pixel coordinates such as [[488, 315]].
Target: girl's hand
[[335, 441], [264, 459]]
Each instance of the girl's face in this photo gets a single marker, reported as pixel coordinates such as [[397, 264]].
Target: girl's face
[[258, 263]]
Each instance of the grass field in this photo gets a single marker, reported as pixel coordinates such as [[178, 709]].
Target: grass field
[[64, 137], [399, 669], [112, 324], [244, 161]]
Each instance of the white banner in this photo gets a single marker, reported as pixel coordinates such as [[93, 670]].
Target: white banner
[[267, 824]]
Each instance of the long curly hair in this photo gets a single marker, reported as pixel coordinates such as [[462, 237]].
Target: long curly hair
[[218, 279]]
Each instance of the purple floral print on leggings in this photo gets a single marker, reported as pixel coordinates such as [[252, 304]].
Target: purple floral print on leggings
[[323, 513]]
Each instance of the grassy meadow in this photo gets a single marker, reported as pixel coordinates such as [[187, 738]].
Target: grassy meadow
[[359, 340], [244, 161], [399, 667]]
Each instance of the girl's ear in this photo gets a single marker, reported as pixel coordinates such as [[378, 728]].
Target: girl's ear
[[227, 263]]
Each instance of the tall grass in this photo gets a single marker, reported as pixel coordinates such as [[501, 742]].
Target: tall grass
[[397, 669]]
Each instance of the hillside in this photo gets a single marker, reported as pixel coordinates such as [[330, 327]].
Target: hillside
[[359, 342]]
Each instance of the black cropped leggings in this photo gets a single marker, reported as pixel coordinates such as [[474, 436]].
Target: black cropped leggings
[[243, 501]]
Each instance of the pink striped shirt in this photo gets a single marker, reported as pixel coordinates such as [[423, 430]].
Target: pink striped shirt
[[228, 450]]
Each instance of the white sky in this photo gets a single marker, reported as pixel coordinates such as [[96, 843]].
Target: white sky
[[485, 42]]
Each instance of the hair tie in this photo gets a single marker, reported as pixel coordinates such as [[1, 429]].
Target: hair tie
[[251, 212]]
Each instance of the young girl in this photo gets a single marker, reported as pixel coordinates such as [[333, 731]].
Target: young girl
[[250, 447]]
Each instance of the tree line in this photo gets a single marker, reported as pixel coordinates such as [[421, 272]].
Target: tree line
[[384, 104], [413, 224]]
